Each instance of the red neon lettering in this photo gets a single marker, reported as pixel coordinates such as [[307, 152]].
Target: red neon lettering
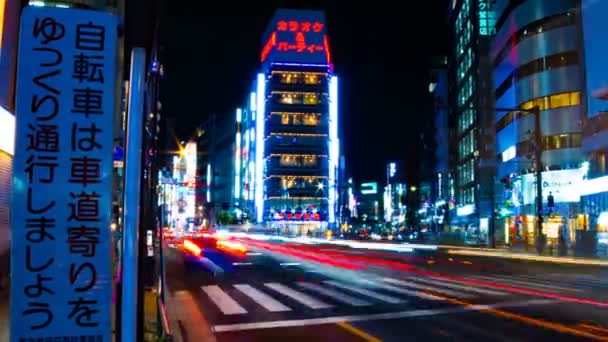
[[305, 26], [317, 27], [293, 25], [272, 41], [327, 52], [300, 42], [282, 25], [282, 46]]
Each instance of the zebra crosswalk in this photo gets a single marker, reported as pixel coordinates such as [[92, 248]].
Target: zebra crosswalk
[[278, 297]]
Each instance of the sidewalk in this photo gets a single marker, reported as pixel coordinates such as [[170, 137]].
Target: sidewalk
[[185, 319], [521, 255]]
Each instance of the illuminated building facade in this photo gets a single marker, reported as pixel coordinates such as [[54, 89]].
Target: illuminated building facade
[[471, 116], [537, 62], [594, 201], [287, 147]]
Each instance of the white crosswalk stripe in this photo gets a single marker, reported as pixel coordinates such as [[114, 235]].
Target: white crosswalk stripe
[[298, 296], [366, 292], [223, 301], [447, 292], [521, 283], [335, 295], [450, 284], [262, 298]]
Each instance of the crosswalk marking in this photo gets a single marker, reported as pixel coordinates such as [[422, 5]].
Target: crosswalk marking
[[460, 287], [224, 302], [366, 292], [262, 298], [298, 296], [406, 291], [522, 283], [452, 293], [340, 297]]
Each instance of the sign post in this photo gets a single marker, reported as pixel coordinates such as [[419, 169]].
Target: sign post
[[62, 176]]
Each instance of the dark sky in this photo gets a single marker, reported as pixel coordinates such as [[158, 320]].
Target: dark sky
[[380, 50]]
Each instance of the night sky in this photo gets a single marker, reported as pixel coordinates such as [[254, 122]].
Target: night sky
[[381, 56]]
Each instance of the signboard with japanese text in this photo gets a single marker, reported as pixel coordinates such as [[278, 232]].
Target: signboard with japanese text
[[296, 36], [564, 185], [61, 263]]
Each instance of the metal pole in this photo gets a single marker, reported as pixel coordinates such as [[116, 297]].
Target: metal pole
[[133, 167], [538, 149]]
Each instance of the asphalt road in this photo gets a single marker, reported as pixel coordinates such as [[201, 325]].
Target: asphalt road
[[299, 292]]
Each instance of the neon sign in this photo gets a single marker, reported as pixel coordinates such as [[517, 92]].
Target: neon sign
[[301, 38]]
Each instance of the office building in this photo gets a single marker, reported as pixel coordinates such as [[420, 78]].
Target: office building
[[443, 183], [288, 149], [471, 115], [537, 62]]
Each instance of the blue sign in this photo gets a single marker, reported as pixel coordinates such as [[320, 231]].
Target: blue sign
[[62, 176], [296, 36]]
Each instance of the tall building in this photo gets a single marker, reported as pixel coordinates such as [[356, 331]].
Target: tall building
[[594, 193], [287, 165], [443, 183], [470, 103], [215, 168], [537, 62]]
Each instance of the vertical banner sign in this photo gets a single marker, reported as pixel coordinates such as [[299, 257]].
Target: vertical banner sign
[[61, 266]]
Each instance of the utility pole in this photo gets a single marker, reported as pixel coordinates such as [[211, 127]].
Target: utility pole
[[538, 165]]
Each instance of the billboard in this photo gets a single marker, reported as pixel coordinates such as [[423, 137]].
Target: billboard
[[564, 185], [296, 36], [62, 176]]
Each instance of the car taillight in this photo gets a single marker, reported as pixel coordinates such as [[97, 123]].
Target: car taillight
[[192, 248]]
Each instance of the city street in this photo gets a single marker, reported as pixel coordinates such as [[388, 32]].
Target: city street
[[326, 292]]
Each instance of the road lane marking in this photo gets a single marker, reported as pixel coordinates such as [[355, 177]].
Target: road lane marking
[[224, 302], [340, 297], [461, 287], [366, 292], [374, 317], [358, 332], [254, 254], [298, 296], [523, 283], [532, 321], [242, 263], [262, 298], [452, 293]]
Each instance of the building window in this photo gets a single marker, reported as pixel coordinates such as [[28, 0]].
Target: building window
[[285, 119], [532, 29], [289, 98], [310, 120], [311, 99], [554, 101], [298, 160], [312, 79], [298, 119], [290, 160], [291, 78], [564, 59]]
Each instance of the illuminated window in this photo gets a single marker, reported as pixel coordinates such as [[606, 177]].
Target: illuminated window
[[289, 98], [285, 119], [290, 160], [560, 100], [311, 99], [310, 120], [309, 161], [546, 102], [290, 78], [312, 79]]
